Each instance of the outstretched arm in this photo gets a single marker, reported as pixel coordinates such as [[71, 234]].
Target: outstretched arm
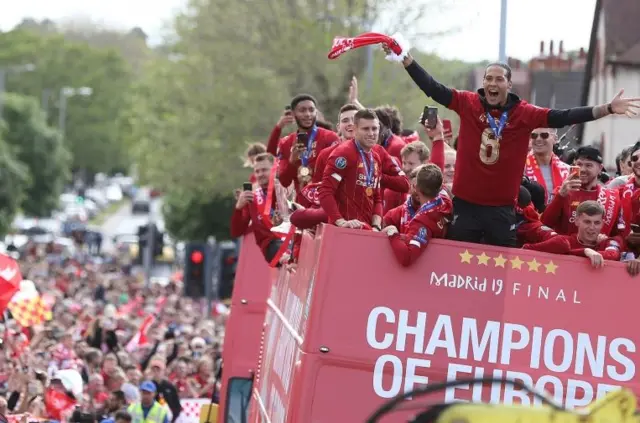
[[618, 106]]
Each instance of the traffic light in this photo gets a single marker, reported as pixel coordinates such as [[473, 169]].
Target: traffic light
[[158, 244], [143, 232], [194, 270], [229, 262]]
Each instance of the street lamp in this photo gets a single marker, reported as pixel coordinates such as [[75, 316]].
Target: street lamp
[[65, 93], [4, 71]]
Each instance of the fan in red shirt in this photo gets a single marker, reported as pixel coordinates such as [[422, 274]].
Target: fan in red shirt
[[252, 208], [561, 213], [585, 241], [529, 228], [350, 189], [299, 151], [430, 220], [493, 143]]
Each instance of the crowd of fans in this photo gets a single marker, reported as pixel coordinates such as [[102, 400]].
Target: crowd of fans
[[503, 180], [114, 349]]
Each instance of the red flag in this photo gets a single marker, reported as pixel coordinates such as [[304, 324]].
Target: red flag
[[140, 338], [10, 278]]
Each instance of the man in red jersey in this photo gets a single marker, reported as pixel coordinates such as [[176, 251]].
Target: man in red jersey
[[542, 165], [413, 155], [250, 209], [561, 213], [430, 220], [529, 228], [274, 140], [350, 188], [298, 151], [585, 240], [492, 147]]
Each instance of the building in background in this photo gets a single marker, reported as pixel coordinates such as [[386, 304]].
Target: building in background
[[614, 58]]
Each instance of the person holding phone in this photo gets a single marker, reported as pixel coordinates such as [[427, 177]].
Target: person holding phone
[[542, 165], [581, 186], [493, 143], [299, 151], [630, 199]]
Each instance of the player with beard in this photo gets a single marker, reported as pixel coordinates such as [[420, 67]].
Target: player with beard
[[430, 219], [350, 188], [391, 142], [542, 165], [250, 206], [492, 147], [561, 213], [585, 241], [297, 161]]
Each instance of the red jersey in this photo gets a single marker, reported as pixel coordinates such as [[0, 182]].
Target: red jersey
[[629, 194], [610, 248], [430, 221], [560, 214], [350, 187], [253, 214], [394, 145], [288, 172], [481, 160], [392, 176]]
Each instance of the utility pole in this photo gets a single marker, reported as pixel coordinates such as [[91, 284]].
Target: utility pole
[[29, 67], [503, 32]]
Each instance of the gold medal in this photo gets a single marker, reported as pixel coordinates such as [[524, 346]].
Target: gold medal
[[304, 171], [369, 191]]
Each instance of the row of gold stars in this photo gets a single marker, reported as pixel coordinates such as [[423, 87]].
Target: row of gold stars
[[501, 261]]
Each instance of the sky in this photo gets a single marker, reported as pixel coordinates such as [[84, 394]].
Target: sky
[[475, 23]]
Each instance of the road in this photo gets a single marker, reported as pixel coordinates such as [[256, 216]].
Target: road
[[123, 222]]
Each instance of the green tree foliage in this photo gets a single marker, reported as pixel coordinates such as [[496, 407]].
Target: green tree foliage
[[41, 150], [92, 131], [233, 67], [14, 179]]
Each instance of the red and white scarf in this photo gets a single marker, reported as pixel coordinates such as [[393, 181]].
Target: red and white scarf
[[609, 200], [630, 200], [559, 172]]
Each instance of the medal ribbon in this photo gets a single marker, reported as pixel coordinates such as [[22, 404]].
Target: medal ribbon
[[497, 129], [266, 211], [428, 206], [367, 163], [312, 137]]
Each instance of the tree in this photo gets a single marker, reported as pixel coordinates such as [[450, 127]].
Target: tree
[[91, 122], [14, 177], [40, 149]]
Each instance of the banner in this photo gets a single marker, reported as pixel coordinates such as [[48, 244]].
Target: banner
[[352, 329], [191, 410]]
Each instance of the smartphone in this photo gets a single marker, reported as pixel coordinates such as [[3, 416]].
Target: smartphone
[[429, 117], [287, 110], [246, 186], [635, 228], [574, 172], [447, 129], [302, 139]]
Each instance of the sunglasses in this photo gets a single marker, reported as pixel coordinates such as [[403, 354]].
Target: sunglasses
[[543, 135], [633, 159]]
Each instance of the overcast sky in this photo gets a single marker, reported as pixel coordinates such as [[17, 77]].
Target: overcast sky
[[529, 22]]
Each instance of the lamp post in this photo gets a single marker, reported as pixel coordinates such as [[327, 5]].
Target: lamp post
[[65, 93], [4, 71], [503, 32]]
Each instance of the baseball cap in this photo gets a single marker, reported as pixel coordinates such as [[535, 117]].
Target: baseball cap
[[589, 153], [148, 386]]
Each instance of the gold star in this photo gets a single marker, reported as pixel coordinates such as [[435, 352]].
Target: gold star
[[466, 257], [500, 261], [516, 263], [533, 265], [551, 267], [483, 259]]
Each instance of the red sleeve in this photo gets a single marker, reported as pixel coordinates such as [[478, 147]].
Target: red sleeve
[[240, 220], [393, 177], [274, 140], [287, 171], [377, 202], [555, 245], [395, 147], [407, 248], [388, 201], [612, 248], [392, 218], [321, 163], [462, 99], [437, 154], [552, 215], [536, 117], [331, 179]]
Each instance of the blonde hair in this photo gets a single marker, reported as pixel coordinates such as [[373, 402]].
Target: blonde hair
[[417, 147]]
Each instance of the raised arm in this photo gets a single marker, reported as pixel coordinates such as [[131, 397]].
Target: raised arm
[[432, 88], [618, 106]]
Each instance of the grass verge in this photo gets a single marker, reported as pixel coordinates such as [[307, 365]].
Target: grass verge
[[101, 217]]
